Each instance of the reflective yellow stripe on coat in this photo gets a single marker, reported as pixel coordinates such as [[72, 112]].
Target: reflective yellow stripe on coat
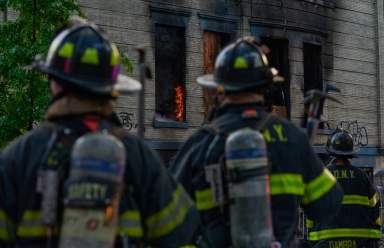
[[345, 233], [287, 183], [170, 217], [361, 200], [319, 186], [204, 199], [281, 184], [130, 224], [31, 225], [6, 227]]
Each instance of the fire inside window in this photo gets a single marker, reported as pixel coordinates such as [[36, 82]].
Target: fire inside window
[[313, 71], [170, 73], [213, 43], [278, 58]]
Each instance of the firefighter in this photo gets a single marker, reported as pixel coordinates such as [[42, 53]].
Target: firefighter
[[357, 224], [242, 74], [82, 67]]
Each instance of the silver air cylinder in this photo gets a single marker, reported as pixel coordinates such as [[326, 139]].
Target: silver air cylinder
[[92, 192], [248, 189]]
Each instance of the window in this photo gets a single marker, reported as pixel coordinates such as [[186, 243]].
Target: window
[[213, 42], [170, 73], [278, 58], [313, 72]]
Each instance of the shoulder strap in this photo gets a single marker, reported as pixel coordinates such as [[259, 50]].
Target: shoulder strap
[[214, 129]]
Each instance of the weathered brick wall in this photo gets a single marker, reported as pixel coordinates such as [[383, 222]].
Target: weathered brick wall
[[349, 50], [352, 29], [129, 24]]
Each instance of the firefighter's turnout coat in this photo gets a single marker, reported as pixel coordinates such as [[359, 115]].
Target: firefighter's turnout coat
[[297, 176], [154, 209], [358, 221]]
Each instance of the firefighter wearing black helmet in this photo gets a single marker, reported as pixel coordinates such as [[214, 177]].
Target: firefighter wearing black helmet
[[83, 68], [297, 176], [357, 224]]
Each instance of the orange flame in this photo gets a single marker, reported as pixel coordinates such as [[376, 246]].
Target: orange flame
[[179, 100]]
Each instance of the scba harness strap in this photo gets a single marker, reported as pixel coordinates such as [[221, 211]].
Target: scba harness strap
[[215, 171], [55, 166], [214, 168]]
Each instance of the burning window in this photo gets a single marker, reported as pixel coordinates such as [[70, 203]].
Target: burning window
[[278, 58], [213, 43], [170, 73], [313, 71]]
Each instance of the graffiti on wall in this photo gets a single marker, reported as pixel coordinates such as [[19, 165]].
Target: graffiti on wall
[[358, 132], [128, 120]]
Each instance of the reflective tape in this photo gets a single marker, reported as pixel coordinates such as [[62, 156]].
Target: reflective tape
[[360, 200], [90, 56], [378, 221], [319, 186], [171, 216], [115, 56], [205, 199], [345, 233], [130, 224], [287, 183], [66, 50], [31, 225], [6, 227], [309, 223]]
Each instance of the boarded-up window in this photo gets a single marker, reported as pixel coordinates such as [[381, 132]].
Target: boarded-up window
[[313, 72], [213, 42], [278, 58], [170, 73]]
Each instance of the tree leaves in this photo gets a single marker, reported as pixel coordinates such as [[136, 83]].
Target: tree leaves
[[24, 94]]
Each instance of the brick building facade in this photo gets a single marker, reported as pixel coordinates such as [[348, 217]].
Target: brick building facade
[[312, 41]]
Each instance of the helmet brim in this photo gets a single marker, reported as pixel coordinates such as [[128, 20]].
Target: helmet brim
[[124, 84], [207, 81], [127, 85], [352, 153]]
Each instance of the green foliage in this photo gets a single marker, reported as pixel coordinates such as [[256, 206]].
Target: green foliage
[[126, 63], [24, 94]]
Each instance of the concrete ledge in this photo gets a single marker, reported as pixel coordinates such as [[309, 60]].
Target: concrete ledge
[[170, 124]]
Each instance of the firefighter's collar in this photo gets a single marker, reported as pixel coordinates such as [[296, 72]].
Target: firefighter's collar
[[250, 109], [70, 105]]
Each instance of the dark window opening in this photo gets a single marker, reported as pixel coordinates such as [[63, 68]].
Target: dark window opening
[[213, 42], [278, 57], [170, 73], [313, 73]]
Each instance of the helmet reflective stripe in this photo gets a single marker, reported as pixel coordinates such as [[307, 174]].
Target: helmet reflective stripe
[[66, 50], [90, 56], [240, 63]]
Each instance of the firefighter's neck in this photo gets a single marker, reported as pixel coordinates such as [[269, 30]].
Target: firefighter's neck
[[56, 88], [242, 98]]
